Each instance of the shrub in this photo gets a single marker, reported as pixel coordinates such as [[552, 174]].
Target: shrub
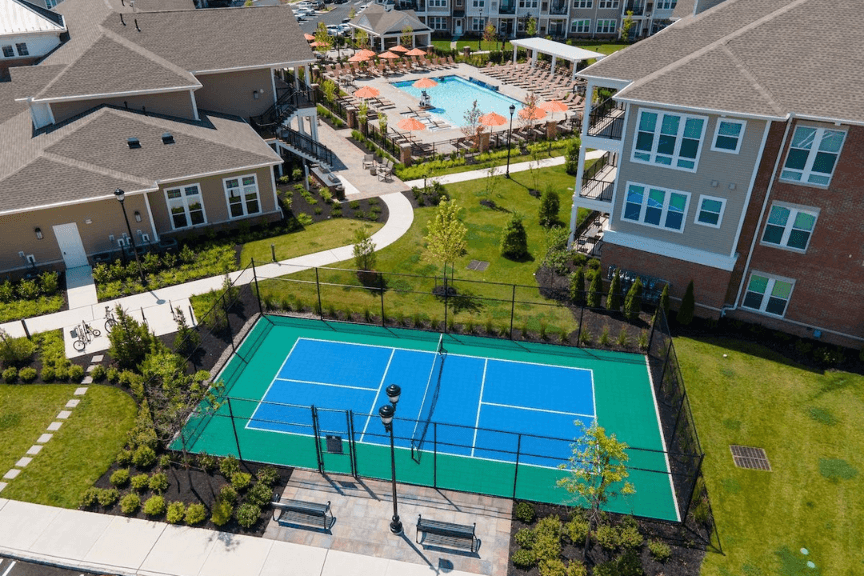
[[15, 351], [595, 292], [120, 478], [207, 462], [633, 300], [549, 526], [553, 567], [688, 306], [195, 514], [130, 503], [659, 550], [550, 204], [643, 340], [98, 373], [259, 494], [577, 287], [629, 564], [108, 497], [546, 547], [525, 512], [525, 537], [27, 374], [176, 510], [144, 457], [228, 494], [154, 506], [124, 458], [613, 300], [240, 481], [523, 559], [576, 568], [268, 476], [628, 534], [158, 483], [664, 300], [248, 514], [514, 239], [130, 341], [165, 461], [221, 512], [89, 498], [607, 537], [623, 338], [604, 336], [10, 375], [76, 373], [28, 290], [229, 466], [577, 529], [61, 373], [140, 482]]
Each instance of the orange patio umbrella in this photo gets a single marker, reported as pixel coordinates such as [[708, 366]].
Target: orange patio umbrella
[[424, 83], [492, 119], [410, 124], [358, 58], [365, 52], [399, 48], [553, 106], [416, 52], [366, 92], [317, 44], [388, 56], [532, 114], [309, 37]]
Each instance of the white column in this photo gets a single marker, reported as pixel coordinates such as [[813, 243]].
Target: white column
[[533, 58], [313, 123], [577, 188], [382, 43], [573, 75], [553, 63], [308, 76], [297, 77], [514, 54]]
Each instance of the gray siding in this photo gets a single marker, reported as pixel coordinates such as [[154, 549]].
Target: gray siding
[[724, 168]]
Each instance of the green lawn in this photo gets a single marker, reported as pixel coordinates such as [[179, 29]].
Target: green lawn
[[316, 237], [809, 425], [78, 454]]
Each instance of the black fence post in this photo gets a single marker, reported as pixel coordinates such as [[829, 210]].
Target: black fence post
[[516, 472], [257, 290], [665, 364], [693, 482], [234, 429], [349, 416], [315, 434], [381, 290], [318, 286], [512, 310], [228, 323]]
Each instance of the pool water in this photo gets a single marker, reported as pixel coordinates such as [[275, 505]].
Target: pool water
[[453, 96]]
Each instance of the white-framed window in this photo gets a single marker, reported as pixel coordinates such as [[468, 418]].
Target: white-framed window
[[656, 207], [710, 211], [22, 49], [605, 4], [50, 3], [8, 52], [241, 193], [789, 226], [527, 3], [606, 26], [581, 26], [812, 155], [478, 3], [185, 206], [476, 24], [728, 136], [666, 4], [668, 139], [768, 294], [438, 22], [583, 3], [438, 3]]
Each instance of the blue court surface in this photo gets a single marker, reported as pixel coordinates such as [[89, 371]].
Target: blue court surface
[[475, 396]]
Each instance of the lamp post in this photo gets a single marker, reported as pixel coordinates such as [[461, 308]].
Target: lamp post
[[386, 412], [509, 133], [121, 196]]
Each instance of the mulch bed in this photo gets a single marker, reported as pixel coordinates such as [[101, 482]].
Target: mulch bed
[[370, 209]]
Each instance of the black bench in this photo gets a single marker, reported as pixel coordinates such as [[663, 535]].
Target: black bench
[[288, 512], [447, 534]]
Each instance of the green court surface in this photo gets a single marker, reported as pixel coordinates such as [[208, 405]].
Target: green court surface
[[520, 464]]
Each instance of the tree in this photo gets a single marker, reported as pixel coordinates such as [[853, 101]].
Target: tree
[[130, 341], [489, 182], [472, 128], [329, 89], [598, 472], [514, 239], [407, 37], [446, 238], [187, 339], [577, 287], [352, 13], [664, 300], [595, 291], [633, 300], [363, 115], [572, 163], [688, 306], [364, 249], [322, 37], [361, 38], [613, 300], [382, 124], [531, 27], [557, 256], [626, 26], [489, 34], [534, 165], [550, 204], [529, 109]]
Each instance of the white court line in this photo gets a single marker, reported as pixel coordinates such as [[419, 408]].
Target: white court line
[[9, 569], [662, 438], [251, 418], [372, 409], [325, 384], [425, 395], [479, 406], [538, 410]]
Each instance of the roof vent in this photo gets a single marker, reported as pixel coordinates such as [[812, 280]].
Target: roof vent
[[167, 138], [133, 143]]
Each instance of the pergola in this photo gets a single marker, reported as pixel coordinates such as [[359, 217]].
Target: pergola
[[382, 24], [556, 50]]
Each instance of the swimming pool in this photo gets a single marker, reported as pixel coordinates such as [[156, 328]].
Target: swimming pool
[[453, 96]]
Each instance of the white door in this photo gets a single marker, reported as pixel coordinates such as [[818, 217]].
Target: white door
[[458, 27], [70, 245]]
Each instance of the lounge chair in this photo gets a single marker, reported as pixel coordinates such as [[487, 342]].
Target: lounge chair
[[368, 161]]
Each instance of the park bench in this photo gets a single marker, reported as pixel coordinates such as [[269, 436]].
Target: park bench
[[289, 512], [446, 534]]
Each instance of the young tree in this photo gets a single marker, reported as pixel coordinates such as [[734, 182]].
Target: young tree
[[572, 164], [664, 300], [329, 89], [577, 287], [364, 250], [531, 27], [613, 300], [490, 181], [382, 124], [187, 339], [595, 291], [557, 255], [352, 13], [489, 34], [633, 300], [598, 472], [514, 239], [626, 26], [363, 115], [322, 37], [361, 38], [407, 37], [550, 204], [130, 341], [472, 128], [446, 238], [529, 109], [688, 306]]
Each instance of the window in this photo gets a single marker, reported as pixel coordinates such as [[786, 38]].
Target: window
[[767, 294], [668, 139], [812, 155], [438, 3], [603, 4], [656, 207], [242, 196], [606, 26], [477, 24], [583, 3], [580, 26], [789, 226], [527, 3], [8, 52], [728, 136], [479, 3], [438, 22], [22, 49], [185, 206], [666, 4], [710, 211], [50, 3]]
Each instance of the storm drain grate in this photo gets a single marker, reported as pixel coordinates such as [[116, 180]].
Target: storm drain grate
[[750, 458], [478, 265]]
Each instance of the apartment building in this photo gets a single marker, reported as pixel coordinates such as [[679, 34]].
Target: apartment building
[[27, 33], [733, 159]]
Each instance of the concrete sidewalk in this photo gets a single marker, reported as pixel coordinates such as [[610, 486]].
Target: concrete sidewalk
[[128, 546]]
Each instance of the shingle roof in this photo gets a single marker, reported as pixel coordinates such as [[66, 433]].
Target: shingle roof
[[18, 16], [751, 57], [381, 21]]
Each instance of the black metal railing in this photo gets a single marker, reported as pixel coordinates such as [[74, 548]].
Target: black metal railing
[[509, 8], [593, 189], [607, 120], [305, 144], [289, 100], [608, 159], [558, 9]]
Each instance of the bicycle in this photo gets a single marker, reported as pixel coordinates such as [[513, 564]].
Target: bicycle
[[110, 321], [85, 334]]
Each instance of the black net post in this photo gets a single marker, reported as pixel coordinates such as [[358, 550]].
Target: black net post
[[349, 417], [318, 286], [257, 291], [516, 471], [435, 455], [512, 310], [317, 436], [234, 429]]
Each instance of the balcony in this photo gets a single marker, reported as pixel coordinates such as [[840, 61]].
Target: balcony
[[607, 120], [638, 8], [507, 8], [598, 181], [558, 9]]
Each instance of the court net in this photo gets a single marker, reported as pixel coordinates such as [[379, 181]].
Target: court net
[[430, 399]]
